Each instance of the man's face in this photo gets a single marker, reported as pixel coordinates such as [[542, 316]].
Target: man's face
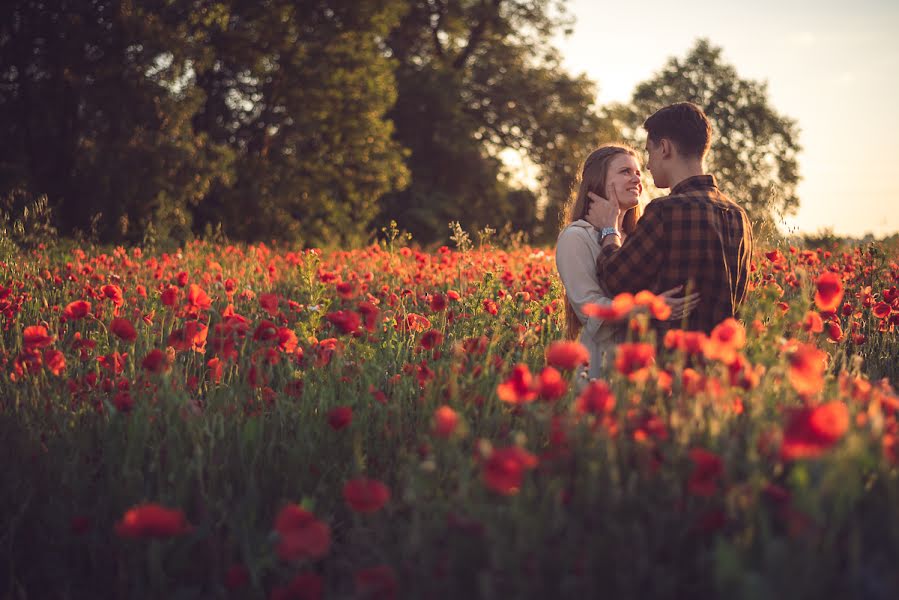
[[654, 164]]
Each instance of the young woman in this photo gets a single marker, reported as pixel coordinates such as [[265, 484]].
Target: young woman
[[611, 171]]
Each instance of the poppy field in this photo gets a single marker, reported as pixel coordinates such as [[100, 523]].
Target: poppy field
[[248, 422]]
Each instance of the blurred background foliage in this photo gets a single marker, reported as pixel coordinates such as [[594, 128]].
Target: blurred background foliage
[[317, 122]]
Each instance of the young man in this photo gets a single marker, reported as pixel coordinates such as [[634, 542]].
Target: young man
[[695, 237]]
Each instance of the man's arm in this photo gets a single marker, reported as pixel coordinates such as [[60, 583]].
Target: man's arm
[[635, 265]]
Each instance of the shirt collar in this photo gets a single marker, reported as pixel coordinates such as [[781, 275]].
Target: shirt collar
[[697, 182]]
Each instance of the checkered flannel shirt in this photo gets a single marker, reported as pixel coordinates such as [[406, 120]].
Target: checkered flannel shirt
[[696, 237]]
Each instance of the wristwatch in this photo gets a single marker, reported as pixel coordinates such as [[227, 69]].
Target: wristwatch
[[608, 231]]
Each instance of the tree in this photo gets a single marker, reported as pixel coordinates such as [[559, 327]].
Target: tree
[[95, 113], [299, 90], [754, 149], [476, 77]]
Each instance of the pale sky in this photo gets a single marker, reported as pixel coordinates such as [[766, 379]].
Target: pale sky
[[831, 66]]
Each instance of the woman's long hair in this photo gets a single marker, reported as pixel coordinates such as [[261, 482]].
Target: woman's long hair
[[593, 179]]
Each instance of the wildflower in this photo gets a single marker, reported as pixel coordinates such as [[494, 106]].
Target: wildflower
[[550, 384], [634, 360], [518, 388], [269, 303], [77, 309], [596, 399], [445, 421], [707, 470], [567, 355], [340, 417], [304, 586], [36, 336], [123, 329], [301, 535], [811, 431], [504, 469], [806, 372], [376, 583], [156, 361], [431, 339], [829, 292], [365, 495], [152, 521], [347, 321], [725, 340], [55, 361], [620, 306]]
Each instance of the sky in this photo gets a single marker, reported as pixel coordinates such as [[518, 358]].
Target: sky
[[831, 66]]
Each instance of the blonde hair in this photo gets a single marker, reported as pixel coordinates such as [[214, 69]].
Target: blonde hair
[[592, 178]]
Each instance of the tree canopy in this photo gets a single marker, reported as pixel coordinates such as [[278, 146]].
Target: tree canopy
[[754, 148]]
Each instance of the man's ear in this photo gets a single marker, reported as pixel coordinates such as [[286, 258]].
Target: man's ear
[[666, 148]]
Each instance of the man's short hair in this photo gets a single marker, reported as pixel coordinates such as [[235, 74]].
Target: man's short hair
[[685, 125]]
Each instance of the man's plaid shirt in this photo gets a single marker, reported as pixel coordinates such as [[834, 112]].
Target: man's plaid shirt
[[696, 237]]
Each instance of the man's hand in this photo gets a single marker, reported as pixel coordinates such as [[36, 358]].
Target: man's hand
[[602, 212]]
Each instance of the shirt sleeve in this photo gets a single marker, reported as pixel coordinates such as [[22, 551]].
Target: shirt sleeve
[[574, 260], [635, 265]]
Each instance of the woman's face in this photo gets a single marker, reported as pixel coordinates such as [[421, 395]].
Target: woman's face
[[623, 181]]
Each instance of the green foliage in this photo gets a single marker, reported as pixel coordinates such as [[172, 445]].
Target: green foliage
[[754, 149], [475, 78]]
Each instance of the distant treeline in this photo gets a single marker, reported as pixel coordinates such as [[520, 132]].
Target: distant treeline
[[320, 121]]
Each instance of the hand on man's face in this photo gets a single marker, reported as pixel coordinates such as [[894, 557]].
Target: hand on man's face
[[602, 212]]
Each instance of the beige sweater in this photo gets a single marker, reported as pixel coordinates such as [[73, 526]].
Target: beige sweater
[[577, 249]]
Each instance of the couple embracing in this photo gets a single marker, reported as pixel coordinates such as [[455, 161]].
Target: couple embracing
[[692, 247]]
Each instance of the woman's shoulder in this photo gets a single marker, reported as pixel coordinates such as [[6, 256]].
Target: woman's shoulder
[[579, 230]]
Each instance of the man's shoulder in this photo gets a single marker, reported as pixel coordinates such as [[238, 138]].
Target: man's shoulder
[[694, 199]]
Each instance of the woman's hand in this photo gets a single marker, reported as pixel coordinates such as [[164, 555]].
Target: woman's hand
[[680, 307]]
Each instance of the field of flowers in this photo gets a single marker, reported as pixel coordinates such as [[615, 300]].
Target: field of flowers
[[245, 422]]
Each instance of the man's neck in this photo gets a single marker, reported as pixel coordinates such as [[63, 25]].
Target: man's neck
[[684, 171]]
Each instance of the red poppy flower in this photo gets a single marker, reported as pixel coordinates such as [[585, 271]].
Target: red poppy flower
[[301, 535], [518, 388], [269, 303], [806, 371], [123, 329], [347, 321], [438, 302], [370, 314], [431, 339], [881, 310], [504, 469], [596, 399], [619, 308], [725, 340], [197, 300], [550, 384], [237, 576], [305, 586], [634, 360], [36, 336], [156, 361], [170, 296], [567, 355], [152, 521], [445, 421], [77, 309], [707, 470], [834, 331], [689, 342], [114, 293], [813, 323], [340, 417], [365, 495], [829, 292], [376, 583], [811, 431], [657, 305], [55, 361]]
